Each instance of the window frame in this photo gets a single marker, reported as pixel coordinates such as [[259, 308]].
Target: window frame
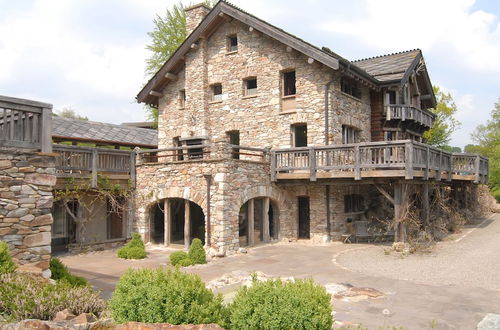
[[182, 98], [216, 97], [230, 48], [284, 88], [349, 133], [351, 87], [250, 92]]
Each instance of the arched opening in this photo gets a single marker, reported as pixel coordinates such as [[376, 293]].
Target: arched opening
[[258, 221], [176, 221]]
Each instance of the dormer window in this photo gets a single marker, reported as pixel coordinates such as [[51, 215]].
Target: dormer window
[[232, 43], [250, 86], [350, 86], [216, 92]]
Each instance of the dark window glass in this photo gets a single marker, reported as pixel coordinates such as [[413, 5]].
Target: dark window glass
[[289, 83]]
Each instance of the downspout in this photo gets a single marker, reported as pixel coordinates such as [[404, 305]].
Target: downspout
[[327, 138], [208, 177]]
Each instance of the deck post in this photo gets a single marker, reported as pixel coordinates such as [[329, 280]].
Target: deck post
[[265, 220], [167, 221], [45, 130], [251, 223], [400, 206], [427, 163], [132, 168], [312, 164], [409, 160], [425, 204], [94, 167], [273, 166], [438, 175], [357, 163], [187, 224], [477, 169]]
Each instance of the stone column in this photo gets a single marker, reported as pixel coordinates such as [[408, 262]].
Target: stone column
[[167, 221], [187, 224], [265, 220], [251, 223]]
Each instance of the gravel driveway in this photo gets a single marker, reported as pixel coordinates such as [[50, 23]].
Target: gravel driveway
[[470, 259]]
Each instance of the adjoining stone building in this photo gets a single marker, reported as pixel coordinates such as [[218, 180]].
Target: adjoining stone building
[[263, 136]]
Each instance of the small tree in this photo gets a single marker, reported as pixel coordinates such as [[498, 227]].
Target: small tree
[[197, 252], [7, 265]]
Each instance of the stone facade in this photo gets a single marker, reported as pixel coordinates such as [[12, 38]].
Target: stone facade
[[26, 182]]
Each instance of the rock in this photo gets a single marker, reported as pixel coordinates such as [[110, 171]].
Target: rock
[[27, 190], [45, 202], [17, 213], [64, 315], [41, 179], [41, 220], [489, 322], [83, 318], [11, 238], [242, 250], [27, 217], [39, 239], [370, 292], [5, 164]]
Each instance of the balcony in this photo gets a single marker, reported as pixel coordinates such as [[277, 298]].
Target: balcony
[[390, 159], [409, 113]]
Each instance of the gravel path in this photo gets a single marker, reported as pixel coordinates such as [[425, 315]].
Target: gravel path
[[472, 261]]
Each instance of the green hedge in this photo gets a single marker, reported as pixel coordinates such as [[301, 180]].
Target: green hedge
[[276, 305], [7, 265], [134, 249], [177, 256], [165, 296], [197, 252], [61, 273]]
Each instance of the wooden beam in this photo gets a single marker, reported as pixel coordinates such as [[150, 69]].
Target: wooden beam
[[94, 168], [425, 204], [167, 221], [384, 193], [155, 93], [265, 220], [251, 223], [187, 224], [170, 76]]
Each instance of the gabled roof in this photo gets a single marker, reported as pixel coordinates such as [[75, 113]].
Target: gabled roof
[[96, 132], [389, 67]]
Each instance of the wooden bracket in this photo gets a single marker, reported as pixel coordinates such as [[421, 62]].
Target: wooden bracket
[[385, 193]]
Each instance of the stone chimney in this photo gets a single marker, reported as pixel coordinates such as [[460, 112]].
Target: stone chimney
[[194, 15]]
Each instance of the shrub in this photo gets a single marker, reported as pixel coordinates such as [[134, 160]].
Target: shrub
[[134, 249], [177, 256], [164, 296], [185, 262], [197, 252], [7, 265], [61, 273], [25, 296], [277, 305]]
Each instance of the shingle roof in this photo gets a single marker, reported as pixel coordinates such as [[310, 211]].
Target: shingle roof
[[102, 132], [388, 67]]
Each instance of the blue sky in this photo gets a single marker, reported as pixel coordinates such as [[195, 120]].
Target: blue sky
[[89, 55]]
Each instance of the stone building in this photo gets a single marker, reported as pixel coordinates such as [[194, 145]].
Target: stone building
[[263, 136]]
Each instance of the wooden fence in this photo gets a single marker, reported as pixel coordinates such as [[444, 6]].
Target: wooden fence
[[25, 124]]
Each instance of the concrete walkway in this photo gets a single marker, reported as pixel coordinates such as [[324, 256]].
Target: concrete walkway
[[423, 305]]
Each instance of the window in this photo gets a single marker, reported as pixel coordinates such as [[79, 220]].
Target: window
[[63, 221], [232, 43], [216, 92], [194, 153], [182, 99], [250, 86], [115, 223], [391, 97], [234, 139], [353, 203], [349, 134], [299, 135], [350, 86], [289, 83]]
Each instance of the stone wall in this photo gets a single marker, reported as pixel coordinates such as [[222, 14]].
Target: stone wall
[[26, 182]]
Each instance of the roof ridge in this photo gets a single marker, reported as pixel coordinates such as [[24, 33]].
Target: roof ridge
[[379, 56], [83, 121]]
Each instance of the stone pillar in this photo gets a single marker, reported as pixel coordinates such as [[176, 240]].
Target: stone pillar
[[167, 221], [265, 220], [187, 224], [251, 223]]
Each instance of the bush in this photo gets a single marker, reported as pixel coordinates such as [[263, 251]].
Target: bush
[[7, 265], [277, 305], [26, 296], [197, 252], [186, 262], [177, 256], [134, 249], [164, 296], [61, 273]]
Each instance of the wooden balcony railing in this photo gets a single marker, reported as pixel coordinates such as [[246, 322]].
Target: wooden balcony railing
[[25, 124], [377, 159], [76, 161], [406, 112]]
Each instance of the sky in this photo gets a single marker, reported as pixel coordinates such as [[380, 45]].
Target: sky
[[89, 55]]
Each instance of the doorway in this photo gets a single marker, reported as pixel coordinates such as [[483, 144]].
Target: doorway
[[304, 218]]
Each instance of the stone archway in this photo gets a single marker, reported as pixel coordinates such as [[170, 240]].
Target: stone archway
[[258, 221]]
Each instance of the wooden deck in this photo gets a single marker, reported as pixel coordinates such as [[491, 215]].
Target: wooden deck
[[405, 112], [391, 159]]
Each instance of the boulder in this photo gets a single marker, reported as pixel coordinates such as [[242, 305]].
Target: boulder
[[17, 213], [38, 239], [83, 319], [41, 179], [5, 164], [64, 315], [42, 220]]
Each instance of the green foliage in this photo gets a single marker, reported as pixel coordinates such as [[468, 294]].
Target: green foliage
[[185, 262], [7, 265], [197, 252], [445, 123], [61, 273], [177, 256], [134, 249], [25, 296], [451, 149], [276, 305], [165, 296], [487, 139], [69, 113]]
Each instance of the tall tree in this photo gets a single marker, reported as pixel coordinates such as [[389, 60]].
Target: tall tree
[[487, 139], [445, 123]]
